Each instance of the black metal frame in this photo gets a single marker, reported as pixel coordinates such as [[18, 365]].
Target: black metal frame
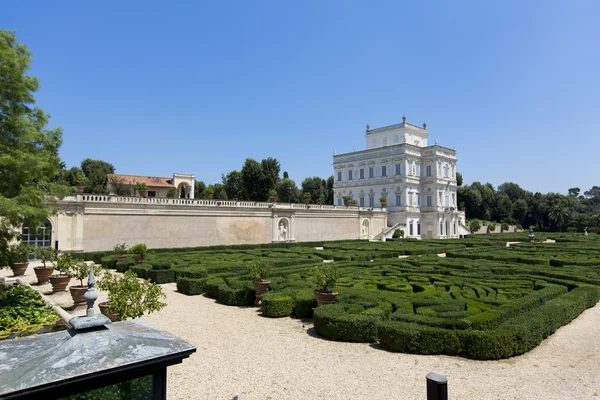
[[156, 367]]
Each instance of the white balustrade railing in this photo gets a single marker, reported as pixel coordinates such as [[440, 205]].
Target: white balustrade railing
[[103, 198]]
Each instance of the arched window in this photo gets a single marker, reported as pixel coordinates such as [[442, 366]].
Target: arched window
[[40, 236]]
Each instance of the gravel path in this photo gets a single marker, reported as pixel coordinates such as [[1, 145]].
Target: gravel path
[[240, 353]]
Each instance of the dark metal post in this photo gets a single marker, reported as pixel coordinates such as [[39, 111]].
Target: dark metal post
[[159, 385], [437, 387]]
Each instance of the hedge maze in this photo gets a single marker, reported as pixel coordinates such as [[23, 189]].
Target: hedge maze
[[483, 300]]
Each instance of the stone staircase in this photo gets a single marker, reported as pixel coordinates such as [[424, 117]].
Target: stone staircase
[[387, 233]]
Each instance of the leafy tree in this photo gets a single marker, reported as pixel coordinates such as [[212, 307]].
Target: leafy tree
[[199, 188], [285, 175], [574, 192], [519, 210], [120, 187], [96, 172], [593, 193], [513, 191], [253, 180], [271, 168], [317, 187], [459, 179], [29, 162], [288, 192], [329, 194], [232, 183], [558, 214], [503, 207], [219, 192], [474, 225]]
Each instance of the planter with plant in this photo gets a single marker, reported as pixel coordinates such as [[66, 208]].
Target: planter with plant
[[80, 181], [79, 270], [383, 201], [139, 250], [210, 192], [354, 203], [129, 296], [347, 200], [46, 255], [142, 189], [326, 276], [120, 249], [306, 197], [259, 270], [272, 196], [18, 255], [63, 265]]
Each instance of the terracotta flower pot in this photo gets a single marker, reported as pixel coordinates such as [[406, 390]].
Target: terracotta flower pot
[[261, 287], [325, 297], [42, 274], [19, 269], [77, 293], [138, 260], [306, 200], [59, 282], [104, 310], [121, 258], [383, 204]]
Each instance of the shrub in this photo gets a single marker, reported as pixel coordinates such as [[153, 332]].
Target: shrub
[[172, 193], [123, 266], [259, 269], [141, 270], [398, 233], [160, 275], [161, 265], [211, 286], [345, 322], [326, 276], [46, 254], [109, 262], [240, 296], [304, 303], [418, 339], [130, 297], [190, 286], [139, 250], [474, 225], [277, 304], [120, 248]]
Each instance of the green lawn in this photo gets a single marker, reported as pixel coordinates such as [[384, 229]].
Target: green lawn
[[483, 300]]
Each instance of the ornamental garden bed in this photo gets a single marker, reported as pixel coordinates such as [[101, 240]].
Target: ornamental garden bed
[[482, 301], [23, 312]]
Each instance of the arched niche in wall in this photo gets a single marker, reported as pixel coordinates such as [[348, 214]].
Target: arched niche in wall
[[283, 230], [365, 229]]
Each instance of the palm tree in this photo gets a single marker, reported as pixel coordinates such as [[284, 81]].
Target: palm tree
[[558, 214]]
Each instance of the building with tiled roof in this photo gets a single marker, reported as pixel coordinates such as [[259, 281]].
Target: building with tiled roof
[[157, 186]]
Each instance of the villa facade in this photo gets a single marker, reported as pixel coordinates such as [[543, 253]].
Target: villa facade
[[416, 181]]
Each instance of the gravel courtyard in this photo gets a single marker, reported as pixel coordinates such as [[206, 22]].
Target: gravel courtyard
[[241, 355]]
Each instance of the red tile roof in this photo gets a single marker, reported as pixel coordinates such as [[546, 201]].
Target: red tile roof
[[150, 181]]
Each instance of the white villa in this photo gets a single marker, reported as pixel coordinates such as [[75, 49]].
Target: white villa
[[415, 181], [157, 186]]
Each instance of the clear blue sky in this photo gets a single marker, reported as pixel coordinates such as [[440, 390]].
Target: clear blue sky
[[162, 87]]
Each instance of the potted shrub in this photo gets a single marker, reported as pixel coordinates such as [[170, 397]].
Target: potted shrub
[[19, 258], [63, 265], [326, 277], [80, 181], [79, 270], [354, 203], [210, 192], [129, 296], [46, 255], [306, 197], [120, 249], [347, 200], [139, 250], [383, 201], [272, 196], [142, 189], [259, 270]]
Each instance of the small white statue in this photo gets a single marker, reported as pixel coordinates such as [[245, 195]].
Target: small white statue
[[282, 231]]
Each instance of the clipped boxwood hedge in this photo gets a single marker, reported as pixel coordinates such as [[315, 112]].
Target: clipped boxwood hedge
[[277, 304], [190, 286], [348, 323]]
